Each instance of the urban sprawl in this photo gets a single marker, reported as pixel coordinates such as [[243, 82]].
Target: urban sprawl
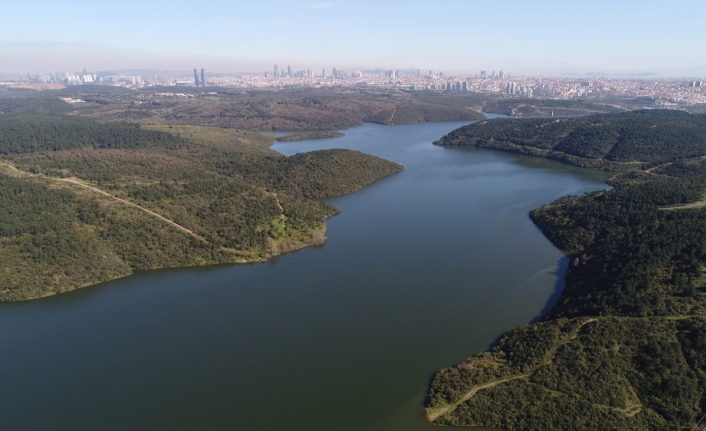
[[665, 91]]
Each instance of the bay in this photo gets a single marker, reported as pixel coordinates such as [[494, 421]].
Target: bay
[[420, 270]]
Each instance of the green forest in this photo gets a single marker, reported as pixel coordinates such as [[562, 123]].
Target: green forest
[[308, 135], [523, 107], [623, 348], [85, 201], [616, 142], [294, 110]]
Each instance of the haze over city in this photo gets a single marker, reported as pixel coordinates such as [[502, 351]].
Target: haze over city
[[462, 37]]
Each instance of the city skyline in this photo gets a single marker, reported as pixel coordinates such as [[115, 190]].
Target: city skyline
[[459, 37]]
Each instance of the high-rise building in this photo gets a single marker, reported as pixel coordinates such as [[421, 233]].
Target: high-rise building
[[464, 86], [276, 74], [289, 71], [203, 78], [323, 73], [501, 74], [492, 75], [529, 93], [196, 78], [483, 74]]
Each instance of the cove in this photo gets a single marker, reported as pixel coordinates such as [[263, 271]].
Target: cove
[[420, 270]]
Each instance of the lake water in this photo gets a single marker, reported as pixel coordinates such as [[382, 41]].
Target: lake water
[[420, 270]]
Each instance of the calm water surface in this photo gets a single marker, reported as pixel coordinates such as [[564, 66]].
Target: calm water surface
[[420, 270]]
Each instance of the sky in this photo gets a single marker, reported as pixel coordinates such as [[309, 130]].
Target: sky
[[462, 37]]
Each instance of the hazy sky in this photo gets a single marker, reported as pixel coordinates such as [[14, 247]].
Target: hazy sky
[[543, 36]]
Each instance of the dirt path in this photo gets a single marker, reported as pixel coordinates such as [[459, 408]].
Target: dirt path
[[649, 171], [392, 116], [84, 185], [470, 394], [576, 334], [698, 204], [279, 205], [435, 414]]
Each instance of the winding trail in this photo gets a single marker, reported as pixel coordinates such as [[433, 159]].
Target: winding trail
[[96, 190], [698, 204], [649, 171], [470, 394], [446, 409]]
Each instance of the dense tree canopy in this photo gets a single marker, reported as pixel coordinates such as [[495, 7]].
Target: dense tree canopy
[[603, 141], [240, 203]]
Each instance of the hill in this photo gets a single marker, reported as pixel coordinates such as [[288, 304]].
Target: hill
[[285, 110], [85, 202], [616, 142], [546, 107]]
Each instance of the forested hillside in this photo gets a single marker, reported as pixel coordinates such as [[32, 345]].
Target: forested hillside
[[286, 110], [84, 202], [608, 141], [49, 105], [623, 348], [523, 107]]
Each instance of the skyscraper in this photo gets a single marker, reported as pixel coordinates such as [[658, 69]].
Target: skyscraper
[[483, 74], [323, 73], [289, 71], [203, 78], [276, 73], [196, 78]]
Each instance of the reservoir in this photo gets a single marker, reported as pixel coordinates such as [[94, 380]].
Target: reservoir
[[420, 270]]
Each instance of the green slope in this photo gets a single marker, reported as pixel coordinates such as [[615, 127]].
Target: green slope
[[84, 202]]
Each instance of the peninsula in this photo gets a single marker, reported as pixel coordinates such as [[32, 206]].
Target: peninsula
[[87, 201]]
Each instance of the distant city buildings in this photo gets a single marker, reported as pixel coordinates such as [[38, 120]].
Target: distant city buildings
[[657, 93], [197, 82]]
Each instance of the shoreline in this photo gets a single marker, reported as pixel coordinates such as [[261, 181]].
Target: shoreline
[[298, 246]]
